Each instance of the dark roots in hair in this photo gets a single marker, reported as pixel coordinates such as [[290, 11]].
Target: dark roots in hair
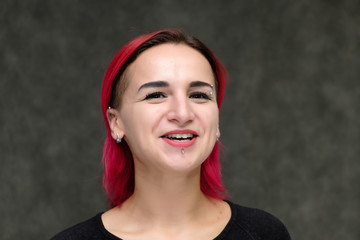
[[166, 36]]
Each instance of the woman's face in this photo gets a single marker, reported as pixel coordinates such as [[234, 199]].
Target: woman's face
[[169, 105]]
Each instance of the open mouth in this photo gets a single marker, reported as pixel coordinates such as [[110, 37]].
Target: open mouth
[[180, 137]]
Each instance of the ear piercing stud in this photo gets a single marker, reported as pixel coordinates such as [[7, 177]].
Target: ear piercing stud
[[118, 139]]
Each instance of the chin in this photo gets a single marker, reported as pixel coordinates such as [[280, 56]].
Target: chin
[[183, 164]]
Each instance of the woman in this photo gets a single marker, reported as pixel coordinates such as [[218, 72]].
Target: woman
[[160, 99]]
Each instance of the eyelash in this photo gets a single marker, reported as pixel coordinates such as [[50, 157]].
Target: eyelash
[[154, 95], [200, 95], [195, 95]]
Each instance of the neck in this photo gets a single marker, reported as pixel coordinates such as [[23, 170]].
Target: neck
[[170, 205], [167, 199]]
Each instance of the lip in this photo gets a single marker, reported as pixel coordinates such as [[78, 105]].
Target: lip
[[180, 144]]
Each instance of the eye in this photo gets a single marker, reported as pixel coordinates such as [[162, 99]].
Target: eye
[[154, 95], [200, 95]]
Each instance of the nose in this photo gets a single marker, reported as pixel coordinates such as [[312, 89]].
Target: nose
[[180, 110]]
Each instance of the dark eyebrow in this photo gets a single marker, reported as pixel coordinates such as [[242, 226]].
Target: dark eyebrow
[[201, 84], [156, 84]]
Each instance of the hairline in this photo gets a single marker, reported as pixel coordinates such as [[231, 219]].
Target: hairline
[[166, 36], [122, 81]]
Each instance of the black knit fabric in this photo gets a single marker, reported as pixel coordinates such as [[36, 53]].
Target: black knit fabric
[[244, 224]]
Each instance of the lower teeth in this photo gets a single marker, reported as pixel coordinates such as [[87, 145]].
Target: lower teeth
[[180, 140]]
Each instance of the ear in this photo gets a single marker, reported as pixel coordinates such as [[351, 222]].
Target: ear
[[218, 132], [115, 123]]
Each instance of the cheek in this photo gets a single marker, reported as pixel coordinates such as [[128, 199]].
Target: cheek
[[140, 127], [136, 132], [212, 115], [140, 121], [209, 119]]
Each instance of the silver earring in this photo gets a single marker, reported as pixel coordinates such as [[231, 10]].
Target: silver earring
[[118, 139], [217, 139], [109, 107]]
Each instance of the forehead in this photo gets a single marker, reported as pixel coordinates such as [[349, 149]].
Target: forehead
[[170, 61]]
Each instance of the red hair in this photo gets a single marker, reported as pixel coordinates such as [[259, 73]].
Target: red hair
[[118, 179]]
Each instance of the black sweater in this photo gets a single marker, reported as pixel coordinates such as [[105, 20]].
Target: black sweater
[[244, 224]]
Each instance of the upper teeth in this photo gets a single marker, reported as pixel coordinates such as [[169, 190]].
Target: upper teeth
[[187, 135]]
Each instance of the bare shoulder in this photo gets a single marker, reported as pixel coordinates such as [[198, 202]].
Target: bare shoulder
[[222, 213], [114, 220]]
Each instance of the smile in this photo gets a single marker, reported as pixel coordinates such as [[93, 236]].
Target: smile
[[180, 138]]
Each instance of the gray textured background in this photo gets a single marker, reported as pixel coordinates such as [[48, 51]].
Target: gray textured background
[[290, 122]]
